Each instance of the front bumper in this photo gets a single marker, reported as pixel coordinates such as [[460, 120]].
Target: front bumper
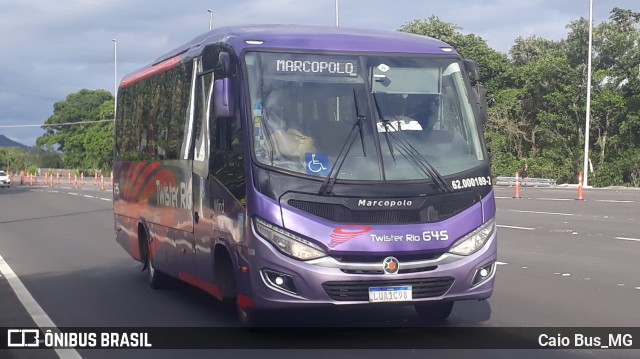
[[326, 281]]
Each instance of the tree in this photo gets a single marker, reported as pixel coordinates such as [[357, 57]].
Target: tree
[[86, 146]]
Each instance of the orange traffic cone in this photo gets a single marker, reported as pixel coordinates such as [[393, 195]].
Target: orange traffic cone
[[517, 186], [580, 196]]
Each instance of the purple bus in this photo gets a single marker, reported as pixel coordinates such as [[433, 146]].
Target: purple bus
[[286, 166]]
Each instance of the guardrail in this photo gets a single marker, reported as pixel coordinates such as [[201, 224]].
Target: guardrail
[[525, 182]]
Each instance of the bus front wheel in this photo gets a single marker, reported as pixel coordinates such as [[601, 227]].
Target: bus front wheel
[[249, 318], [434, 312]]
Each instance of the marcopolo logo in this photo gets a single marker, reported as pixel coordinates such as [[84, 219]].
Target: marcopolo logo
[[387, 203]]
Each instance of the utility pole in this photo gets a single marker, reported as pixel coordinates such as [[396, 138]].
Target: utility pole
[[588, 115], [115, 77]]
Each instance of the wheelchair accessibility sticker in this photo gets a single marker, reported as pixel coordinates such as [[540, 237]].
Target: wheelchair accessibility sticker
[[317, 163]]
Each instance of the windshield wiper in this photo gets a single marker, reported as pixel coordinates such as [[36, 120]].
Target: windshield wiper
[[385, 123], [331, 178], [408, 151]]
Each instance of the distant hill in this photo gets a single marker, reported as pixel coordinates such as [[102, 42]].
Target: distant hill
[[6, 142]]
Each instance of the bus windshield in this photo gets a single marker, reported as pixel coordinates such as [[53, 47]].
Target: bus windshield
[[417, 109]]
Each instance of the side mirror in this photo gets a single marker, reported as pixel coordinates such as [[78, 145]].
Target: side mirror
[[473, 70], [223, 98], [225, 61], [481, 95]]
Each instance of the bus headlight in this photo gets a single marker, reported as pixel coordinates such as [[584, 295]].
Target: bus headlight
[[287, 242], [473, 241]]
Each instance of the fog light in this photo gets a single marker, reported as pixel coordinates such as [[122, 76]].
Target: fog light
[[279, 281], [482, 274]]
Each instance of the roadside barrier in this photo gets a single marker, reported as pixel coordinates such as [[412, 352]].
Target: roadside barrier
[[580, 195], [531, 182], [517, 186]]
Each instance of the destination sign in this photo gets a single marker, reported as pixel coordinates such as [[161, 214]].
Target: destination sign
[[316, 67]]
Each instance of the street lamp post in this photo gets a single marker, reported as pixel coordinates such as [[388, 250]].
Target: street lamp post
[[115, 77], [337, 13], [585, 168], [210, 19]]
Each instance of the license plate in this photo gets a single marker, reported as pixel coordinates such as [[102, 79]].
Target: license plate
[[390, 294]]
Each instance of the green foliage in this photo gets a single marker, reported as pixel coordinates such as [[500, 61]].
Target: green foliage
[[537, 97], [85, 146]]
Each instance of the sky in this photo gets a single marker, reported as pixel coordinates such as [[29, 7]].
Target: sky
[[51, 49]]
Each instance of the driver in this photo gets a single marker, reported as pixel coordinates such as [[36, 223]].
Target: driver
[[287, 141], [395, 112]]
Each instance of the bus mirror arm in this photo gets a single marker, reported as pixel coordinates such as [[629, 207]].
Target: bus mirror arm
[[223, 98]]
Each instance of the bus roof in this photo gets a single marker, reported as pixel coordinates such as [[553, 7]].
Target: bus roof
[[323, 38], [301, 37]]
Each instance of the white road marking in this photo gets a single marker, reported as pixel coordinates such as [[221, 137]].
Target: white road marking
[[501, 263], [614, 201], [502, 197], [536, 212], [73, 194], [515, 227], [33, 308], [556, 199], [628, 239], [566, 274], [106, 199], [87, 196]]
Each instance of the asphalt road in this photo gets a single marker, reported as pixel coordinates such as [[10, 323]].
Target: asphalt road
[[563, 263]]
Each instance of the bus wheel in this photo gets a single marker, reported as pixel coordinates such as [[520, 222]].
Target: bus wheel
[[434, 312], [249, 318], [157, 279]]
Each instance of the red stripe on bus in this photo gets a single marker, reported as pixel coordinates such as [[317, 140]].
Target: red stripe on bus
[[162, 66], [212, 289]]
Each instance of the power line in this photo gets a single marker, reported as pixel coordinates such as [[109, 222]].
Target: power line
[[55, 124]]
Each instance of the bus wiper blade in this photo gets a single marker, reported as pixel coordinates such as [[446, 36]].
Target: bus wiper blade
[[331, 178], [409, 152], [385, 123]]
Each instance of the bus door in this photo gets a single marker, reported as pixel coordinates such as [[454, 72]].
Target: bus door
[[203, 208]]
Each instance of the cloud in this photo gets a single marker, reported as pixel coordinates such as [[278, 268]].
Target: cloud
[[54, 48]]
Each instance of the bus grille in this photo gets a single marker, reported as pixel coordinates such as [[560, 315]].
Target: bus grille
[[359, 290], [436, 209]]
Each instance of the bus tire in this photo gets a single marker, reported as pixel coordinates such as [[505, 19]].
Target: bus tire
[[434, 312], [249, 318], [156, 278]]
